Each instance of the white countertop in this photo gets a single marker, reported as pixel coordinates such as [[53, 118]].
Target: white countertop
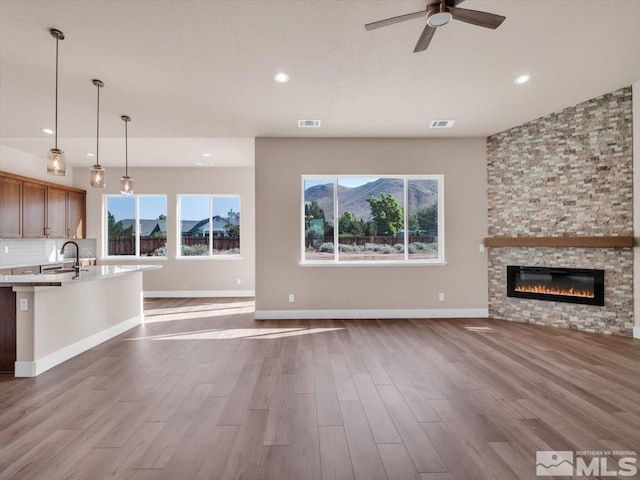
[[34, 264], [87, 274]]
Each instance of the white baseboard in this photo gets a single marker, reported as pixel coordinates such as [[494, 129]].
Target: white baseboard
[[31, 369], [636, 332], [25, 369], [198, 293], [348, 314]]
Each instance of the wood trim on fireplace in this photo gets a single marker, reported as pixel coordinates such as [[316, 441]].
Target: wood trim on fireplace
[[584, 242]]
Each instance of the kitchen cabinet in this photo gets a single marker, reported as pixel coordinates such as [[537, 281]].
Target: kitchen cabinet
[[56, 213], [10, 208], [35, 209], [76, 214]]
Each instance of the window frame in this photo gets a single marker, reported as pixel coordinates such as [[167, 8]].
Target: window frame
[[210, 255], [336, 262], [105, 228]]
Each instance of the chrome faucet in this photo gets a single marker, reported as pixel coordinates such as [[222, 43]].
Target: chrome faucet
[[76, 266]]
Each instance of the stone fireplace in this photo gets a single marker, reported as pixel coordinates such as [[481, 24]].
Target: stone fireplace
[[569, 174]]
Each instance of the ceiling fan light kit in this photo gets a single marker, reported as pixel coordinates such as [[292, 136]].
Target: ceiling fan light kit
[[439, 14]]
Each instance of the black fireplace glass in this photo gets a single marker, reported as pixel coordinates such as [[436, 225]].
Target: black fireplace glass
[[573, 285]]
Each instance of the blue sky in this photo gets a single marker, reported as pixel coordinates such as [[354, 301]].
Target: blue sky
[[193, 208]]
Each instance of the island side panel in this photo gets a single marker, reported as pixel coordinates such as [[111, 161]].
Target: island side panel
[[7, 330], [72, 319], [24, 366]]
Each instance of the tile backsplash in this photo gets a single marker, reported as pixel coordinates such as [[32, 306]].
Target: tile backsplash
[[25, 252]]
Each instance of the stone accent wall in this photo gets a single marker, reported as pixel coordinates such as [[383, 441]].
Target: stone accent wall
[[566, 174]]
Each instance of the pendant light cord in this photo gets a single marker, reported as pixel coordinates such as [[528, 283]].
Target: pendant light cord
[[98, 129], [126, 150], [56, 121]]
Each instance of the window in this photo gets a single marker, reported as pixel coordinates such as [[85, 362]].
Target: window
[[372, 219], [136, 225], [209, 225]]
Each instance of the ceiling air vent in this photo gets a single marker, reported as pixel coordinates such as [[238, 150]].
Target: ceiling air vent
[[309, 123], [442, 123]]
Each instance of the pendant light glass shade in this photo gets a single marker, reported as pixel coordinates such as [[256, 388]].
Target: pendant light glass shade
[[126, 185], [126, 182], [97, 172], [56, 164], [97, 176]]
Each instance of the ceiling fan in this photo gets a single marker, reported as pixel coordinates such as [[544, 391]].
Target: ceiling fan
[[439, 13]]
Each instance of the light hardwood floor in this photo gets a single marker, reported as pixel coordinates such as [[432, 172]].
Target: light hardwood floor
[[202, 391]]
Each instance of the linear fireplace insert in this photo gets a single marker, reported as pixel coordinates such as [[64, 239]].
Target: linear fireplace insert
[[573, 285]]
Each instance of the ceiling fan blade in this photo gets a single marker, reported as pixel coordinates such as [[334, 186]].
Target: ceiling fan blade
[[454, 3], [481, 19], [392, 20], [425, 39]]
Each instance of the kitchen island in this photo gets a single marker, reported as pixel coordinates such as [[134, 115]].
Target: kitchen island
[[59, 315]]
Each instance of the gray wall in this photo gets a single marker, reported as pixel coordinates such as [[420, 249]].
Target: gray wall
[[184, 277], [279, 166], [567, 174]]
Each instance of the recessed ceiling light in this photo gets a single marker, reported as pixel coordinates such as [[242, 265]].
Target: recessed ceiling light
[[90, 155], [206, 154], [281, 77], [522, 79], [48, 131]]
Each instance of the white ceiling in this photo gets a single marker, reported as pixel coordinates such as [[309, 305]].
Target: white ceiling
[[199, 74]]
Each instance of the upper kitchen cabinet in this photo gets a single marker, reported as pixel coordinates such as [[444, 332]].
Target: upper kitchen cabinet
[[56, 213], [76, 214], [10, 208], [35, 209]]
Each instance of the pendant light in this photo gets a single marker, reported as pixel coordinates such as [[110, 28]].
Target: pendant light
[[97, 172], [56, 163], [126, 182]]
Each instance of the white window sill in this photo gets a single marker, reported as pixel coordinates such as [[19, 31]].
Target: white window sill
[[210, 257], [133, 258], [380, 263]]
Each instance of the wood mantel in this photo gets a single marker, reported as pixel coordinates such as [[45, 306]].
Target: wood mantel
[[584, 242]]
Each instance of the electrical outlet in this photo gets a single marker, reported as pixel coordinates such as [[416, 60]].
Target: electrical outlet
[[6, 249], [481, 247], [24, 304], [441, 297], [239, 281], [291, 298]]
